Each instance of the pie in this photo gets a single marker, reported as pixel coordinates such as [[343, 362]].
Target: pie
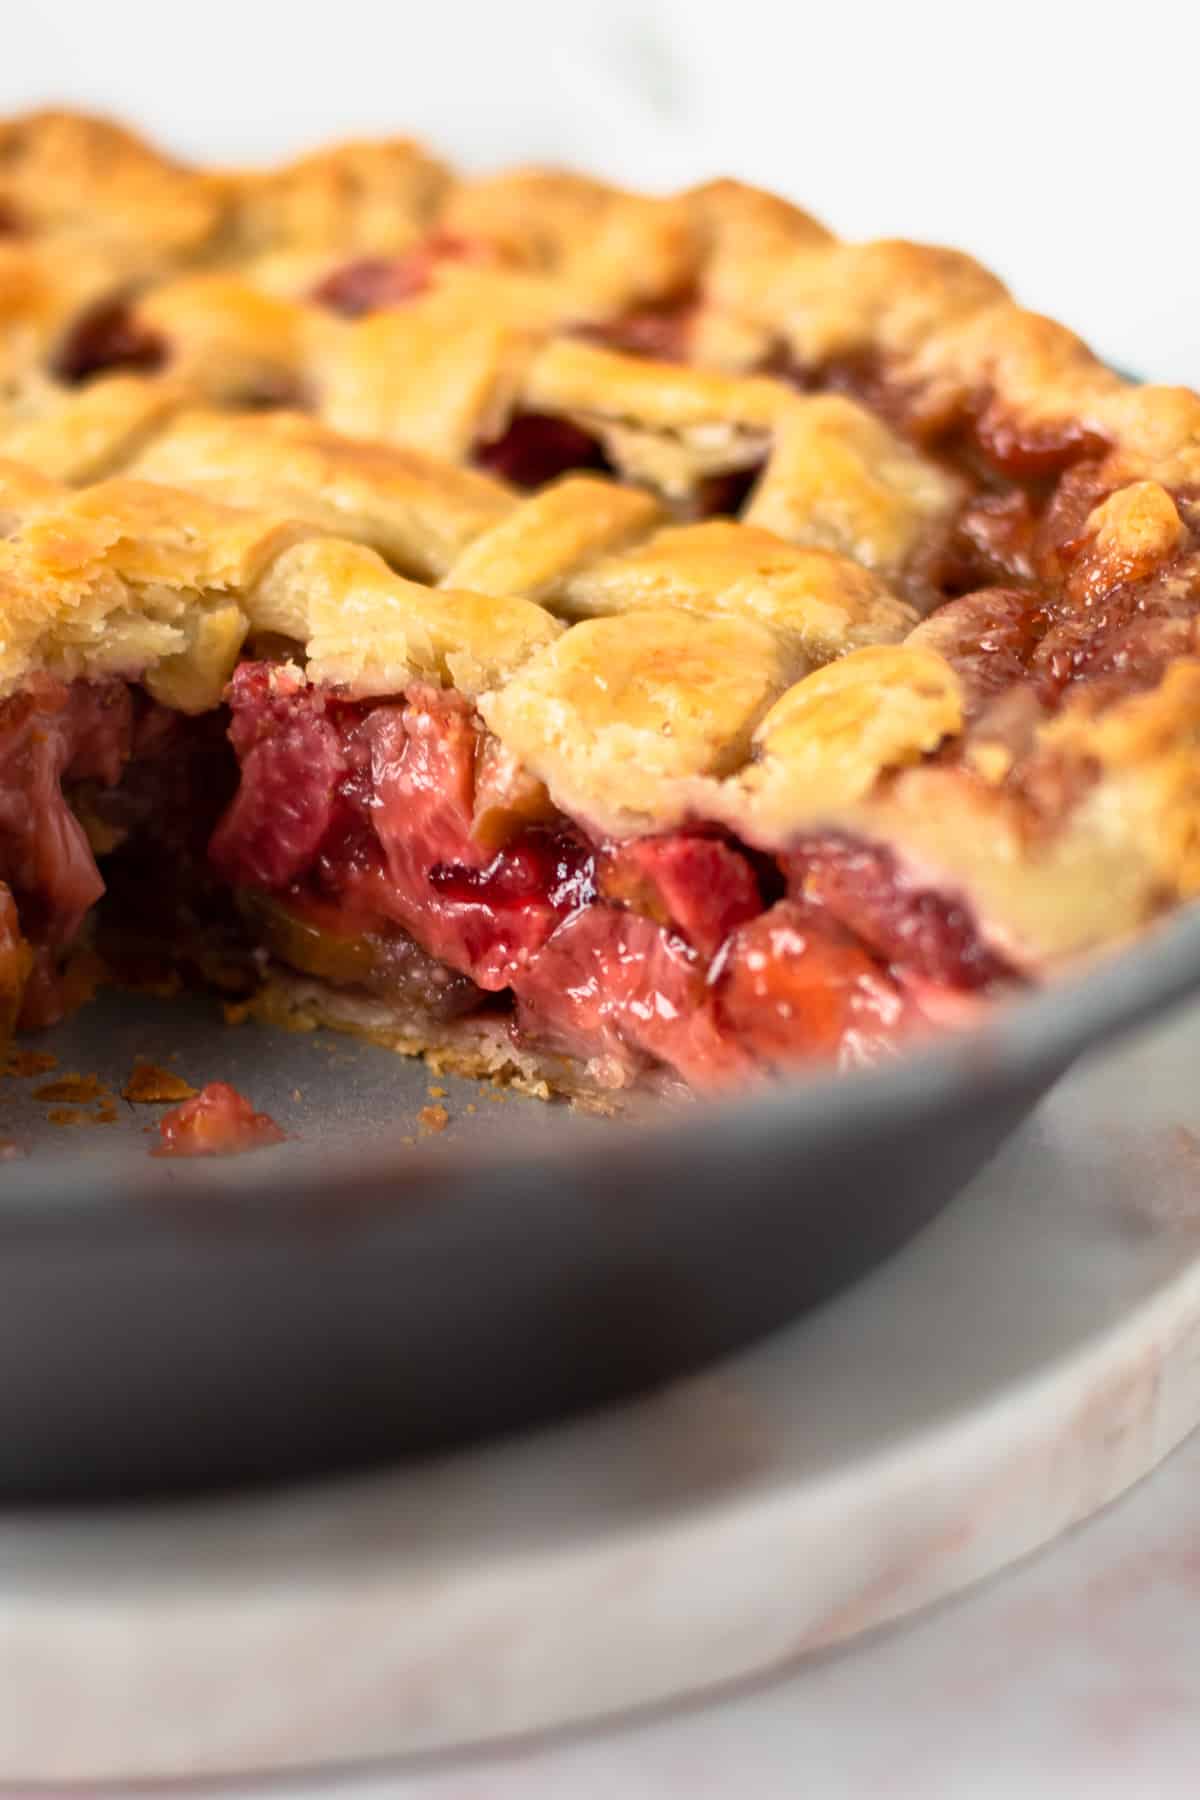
[[603, 641]]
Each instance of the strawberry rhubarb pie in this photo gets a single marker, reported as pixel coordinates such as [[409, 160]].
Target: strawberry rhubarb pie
[[597, 640]]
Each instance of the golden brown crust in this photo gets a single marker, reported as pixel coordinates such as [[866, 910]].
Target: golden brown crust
[[839, 479], [826, 743], [822, 604], [128, 578], [364, 196], [442, 373], [449, 366], [663, 424], [751, 260], [619, 715], [644, 661], [416, 510], [93, 431], [607, 249], [370, 631], [83, 177], [747, 237], [537, 547]]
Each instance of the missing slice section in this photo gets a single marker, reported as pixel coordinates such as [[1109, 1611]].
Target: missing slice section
[[400, 872], [633, 957]]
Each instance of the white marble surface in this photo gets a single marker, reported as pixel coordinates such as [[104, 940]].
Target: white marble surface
[[1075, 1674]]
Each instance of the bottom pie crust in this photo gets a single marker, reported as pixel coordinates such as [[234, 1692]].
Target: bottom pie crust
[[480, 1047]]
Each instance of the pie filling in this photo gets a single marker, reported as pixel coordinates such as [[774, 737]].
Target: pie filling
[[391, 848]]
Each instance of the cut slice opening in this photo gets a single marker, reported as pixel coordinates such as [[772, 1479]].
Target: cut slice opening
[[390, 855]]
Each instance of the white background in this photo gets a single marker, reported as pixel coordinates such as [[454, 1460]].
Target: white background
[[1059, 142]]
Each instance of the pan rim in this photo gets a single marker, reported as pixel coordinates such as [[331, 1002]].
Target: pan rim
[[1018, 1043]]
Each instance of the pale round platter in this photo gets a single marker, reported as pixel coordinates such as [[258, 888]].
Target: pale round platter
[[1031, 1354]]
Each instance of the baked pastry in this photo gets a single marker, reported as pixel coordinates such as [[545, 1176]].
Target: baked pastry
[[598, 640]]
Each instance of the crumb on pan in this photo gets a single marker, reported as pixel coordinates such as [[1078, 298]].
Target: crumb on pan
[[24, 1064], [433, 1118], [437, 1093], [79, 1089], [149, 1084], [218, 1121]]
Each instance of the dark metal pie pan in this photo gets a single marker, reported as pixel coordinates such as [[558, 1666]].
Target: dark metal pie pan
[[371, 1290]]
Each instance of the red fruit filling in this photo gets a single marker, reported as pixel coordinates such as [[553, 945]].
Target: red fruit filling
[[16, 959], [217, 1122], [370, 283], [385, 832], [699, 885], [796, 983], [989, 638], [149, 783], [52, 734], [654, 952], [107, 336], [536, 447], [662, 332], [385, 847], [920, 932]]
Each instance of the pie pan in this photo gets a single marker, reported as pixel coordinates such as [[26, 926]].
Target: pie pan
[[729, 641], [368, 1290]]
